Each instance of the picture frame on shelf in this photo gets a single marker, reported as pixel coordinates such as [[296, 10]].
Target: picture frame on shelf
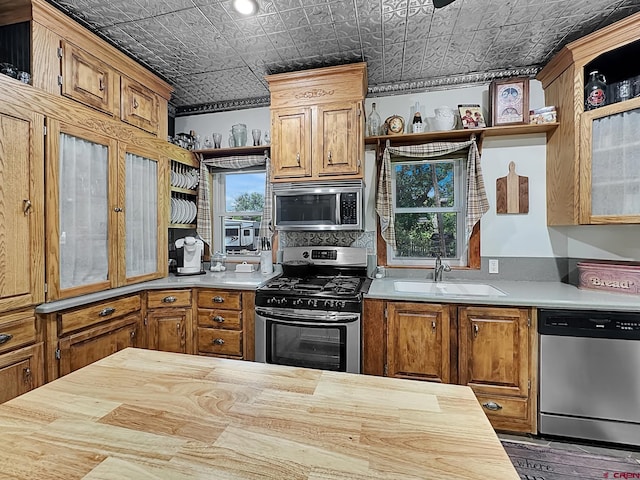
[[509, 101], [471, 116]]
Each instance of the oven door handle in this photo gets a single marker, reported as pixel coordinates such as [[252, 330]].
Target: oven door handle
[[305, 319]]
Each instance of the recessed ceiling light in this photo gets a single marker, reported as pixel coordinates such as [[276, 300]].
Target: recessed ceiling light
[[245, 7]]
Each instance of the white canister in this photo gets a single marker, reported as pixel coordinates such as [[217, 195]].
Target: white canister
[[266, 262], [445, 119]]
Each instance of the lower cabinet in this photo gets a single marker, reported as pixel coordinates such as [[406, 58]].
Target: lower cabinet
[[80, 336], [219, 326], [418, 341], [490, 349], [21, 354], [169, 321]]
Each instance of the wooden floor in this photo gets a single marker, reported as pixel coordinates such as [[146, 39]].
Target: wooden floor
[[142, 414]]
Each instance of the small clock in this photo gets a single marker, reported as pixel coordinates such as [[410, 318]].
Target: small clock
[[395, 125]]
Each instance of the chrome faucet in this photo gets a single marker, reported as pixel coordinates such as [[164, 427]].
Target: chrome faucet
[[439, 268]]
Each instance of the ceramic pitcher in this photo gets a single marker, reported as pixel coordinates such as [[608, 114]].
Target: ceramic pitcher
[[445, 118]]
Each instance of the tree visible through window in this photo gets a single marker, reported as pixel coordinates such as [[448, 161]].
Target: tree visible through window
[[428, 209]]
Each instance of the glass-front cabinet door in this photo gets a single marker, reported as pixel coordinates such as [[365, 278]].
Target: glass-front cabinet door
[[145, 228], [105, 227], [610, 177], [81, 226]]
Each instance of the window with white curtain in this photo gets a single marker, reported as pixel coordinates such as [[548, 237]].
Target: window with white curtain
[[141, 212], [428, 208], [239, 198], [83, 183]]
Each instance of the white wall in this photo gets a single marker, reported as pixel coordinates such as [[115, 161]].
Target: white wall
[[521, 235]]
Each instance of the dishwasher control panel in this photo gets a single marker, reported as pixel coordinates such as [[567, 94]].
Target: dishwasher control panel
[[589, 323]]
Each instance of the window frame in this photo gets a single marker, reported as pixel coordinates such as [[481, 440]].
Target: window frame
[[219, 211]]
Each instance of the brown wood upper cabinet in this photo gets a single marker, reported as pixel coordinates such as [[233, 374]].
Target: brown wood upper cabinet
[[138, 105], [86, 78], [317, 122], [592, 174]]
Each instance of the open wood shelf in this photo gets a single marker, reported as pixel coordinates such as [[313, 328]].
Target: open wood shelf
[[226, 152], [462, 134]]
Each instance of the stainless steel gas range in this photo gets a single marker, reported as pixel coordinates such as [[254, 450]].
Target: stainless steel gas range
[[310, 316]]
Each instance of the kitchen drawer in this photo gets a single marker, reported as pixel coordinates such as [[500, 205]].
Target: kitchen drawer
[[168, 298], [214, 318], [220, 299], [507, 408], [96, 313], [221, 342], [17, 330]]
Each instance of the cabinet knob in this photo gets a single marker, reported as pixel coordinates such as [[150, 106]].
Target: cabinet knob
[[218, 341], [26, 375], [101, 84], [433, 325], [218, 299], [298, 158], [218, 319], [492, 406], [133, 334], [169, 299], [26, 206], [5, 337], [105, 312], [117, 209], [476, 329], [329, 157], [135, 103]]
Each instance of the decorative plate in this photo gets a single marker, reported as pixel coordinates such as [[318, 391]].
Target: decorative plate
[[395, 125]]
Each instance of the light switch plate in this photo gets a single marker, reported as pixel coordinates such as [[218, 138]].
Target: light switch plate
[[493, 265]]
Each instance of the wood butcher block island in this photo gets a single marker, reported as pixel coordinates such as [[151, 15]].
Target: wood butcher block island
[[144, 414]]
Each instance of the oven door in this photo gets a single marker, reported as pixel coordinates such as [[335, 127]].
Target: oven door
[[310, 339]]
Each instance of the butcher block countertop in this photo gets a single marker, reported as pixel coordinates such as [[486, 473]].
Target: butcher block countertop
[[143, 414]]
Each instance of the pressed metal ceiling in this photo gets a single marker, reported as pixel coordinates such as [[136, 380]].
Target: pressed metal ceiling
[[216, 59]]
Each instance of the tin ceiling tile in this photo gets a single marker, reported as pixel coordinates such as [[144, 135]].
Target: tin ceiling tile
[[192, 43]]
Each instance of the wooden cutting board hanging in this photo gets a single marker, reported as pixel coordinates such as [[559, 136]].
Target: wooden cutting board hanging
[[512, 192]]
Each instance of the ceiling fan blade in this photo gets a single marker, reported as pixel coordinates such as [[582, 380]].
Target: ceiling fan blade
[[441, 3]]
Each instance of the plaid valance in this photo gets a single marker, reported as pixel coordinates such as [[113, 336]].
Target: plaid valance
[[235, 162], [476, 196]]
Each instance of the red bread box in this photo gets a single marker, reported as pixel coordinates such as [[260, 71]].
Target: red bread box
[[609, 276]]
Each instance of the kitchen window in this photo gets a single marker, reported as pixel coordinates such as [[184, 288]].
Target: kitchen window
[[428, 208], [238, 204]]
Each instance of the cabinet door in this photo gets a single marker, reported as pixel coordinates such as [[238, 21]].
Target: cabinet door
[[138, 105], [494, 353], [22, 205], [170, 330], [610, 152], [86, 78], [88, 346], [337, 139], [142, 248], [20, 371], [82, 210], [418, 341], [291, 143]]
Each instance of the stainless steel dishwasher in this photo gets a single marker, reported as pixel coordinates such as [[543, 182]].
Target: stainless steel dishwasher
[[590, 375]]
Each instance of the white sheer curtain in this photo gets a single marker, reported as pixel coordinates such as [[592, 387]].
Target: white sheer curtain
[[141, 213], [84, 174], [615, 157]]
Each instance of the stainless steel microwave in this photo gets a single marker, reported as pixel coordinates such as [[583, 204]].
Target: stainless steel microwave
[[316, 206]]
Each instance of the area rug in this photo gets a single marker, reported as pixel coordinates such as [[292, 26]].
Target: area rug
[[537, 462]]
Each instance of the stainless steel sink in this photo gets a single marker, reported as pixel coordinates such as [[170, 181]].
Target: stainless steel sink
[[447, 288]]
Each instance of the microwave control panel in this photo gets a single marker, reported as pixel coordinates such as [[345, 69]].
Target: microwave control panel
[[349, 208]]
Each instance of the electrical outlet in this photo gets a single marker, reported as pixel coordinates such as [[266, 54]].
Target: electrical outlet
[[493, 265]]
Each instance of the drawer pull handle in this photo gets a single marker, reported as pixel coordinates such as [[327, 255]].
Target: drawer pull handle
[[5, 337], [492, 406], [105, 312], [218, 300], [218, 319], [218, 341], [169, 299]]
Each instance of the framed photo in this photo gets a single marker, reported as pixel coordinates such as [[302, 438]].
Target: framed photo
[[471, 116], [509, 100]]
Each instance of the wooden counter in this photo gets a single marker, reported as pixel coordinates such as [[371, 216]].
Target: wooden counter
[[143, 414]]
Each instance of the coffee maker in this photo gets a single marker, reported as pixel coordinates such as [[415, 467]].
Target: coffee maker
[[191, 256]]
